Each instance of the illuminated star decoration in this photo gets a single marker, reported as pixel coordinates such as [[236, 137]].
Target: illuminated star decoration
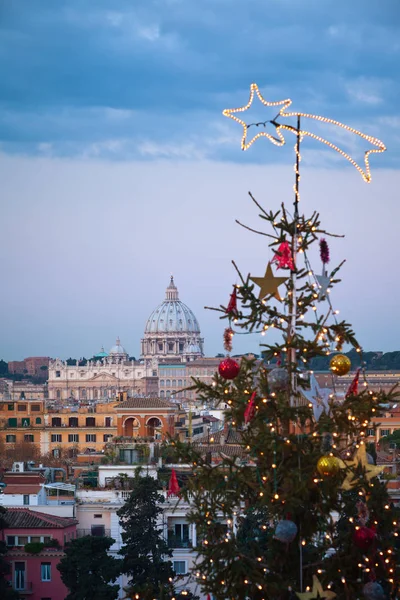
[[269, 284], [316, 592], [279, 140], [360, 459], [323, 284]]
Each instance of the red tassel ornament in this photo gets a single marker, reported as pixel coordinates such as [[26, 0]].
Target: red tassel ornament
[[231, 309], [250, 410], [283, 257], [353, 387]]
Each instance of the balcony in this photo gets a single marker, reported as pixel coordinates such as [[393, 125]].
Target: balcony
[[24, 588], [96, 532], [177, 542]]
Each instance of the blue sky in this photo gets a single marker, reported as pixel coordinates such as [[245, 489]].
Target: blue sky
[[117, 166]]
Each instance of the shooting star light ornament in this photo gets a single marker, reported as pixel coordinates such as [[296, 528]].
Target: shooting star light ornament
[[279, 140]]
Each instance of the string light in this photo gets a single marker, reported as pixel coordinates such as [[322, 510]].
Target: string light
[[279, 140]]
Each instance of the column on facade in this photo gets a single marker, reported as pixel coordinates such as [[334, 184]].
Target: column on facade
[[194, 535]]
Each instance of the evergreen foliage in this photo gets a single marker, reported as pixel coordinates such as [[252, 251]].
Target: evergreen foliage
[[88, 571], [237, 503]]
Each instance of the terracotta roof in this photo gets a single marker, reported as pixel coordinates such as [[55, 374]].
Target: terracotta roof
[[232, 436], [23, 518], [218, 449], [140, 403], [22, 489]]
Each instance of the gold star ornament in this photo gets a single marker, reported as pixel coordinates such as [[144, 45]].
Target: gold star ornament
[[316, 592], [360, 459], [279, 140], [269, 283]]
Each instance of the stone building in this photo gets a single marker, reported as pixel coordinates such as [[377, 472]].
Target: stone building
[[172, 331], [101, 378]]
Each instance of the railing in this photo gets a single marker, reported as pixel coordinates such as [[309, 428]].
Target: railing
[[176, 542], [26, 588], [93, 532]]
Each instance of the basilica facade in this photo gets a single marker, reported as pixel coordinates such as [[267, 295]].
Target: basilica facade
[[172, 334]]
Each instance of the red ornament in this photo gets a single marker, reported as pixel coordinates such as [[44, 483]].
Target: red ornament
[[283, 257], [229, 368], [231, 309], [250, 410], [363, 537], [228, 335], [173, 485], [353, 387]]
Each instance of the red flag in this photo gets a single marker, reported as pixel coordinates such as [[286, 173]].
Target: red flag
[[173, 485], [353, 387], [250, 409], [231, 309], [208, 597]]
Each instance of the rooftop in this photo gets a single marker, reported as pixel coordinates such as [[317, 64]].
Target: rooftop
[[23, 518], [145, 403]]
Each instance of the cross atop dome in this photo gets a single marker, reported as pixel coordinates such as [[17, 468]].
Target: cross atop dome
[[172, 291]]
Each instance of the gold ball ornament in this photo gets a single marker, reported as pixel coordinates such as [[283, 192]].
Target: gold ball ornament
[[340, 364], [328, 465]]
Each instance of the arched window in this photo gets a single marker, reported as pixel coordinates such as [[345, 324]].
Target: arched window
[[162, 382], [168, 393], [168, 382], [174, 382], [162, 394], [180, 382], [38, 421]]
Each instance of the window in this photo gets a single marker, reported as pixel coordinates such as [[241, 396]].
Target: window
[[10, 406], [107, 436], [97, 516], [154, 373], [35, 407], [56, 437], [182, 531], [180, 382], [38, 421], [95, 394], [58, 373], [28, 437], [19, 575], [370, 431], [160, 347], [56, 422], [108, 421], [21, 407], [58, 394], [168, 382], [170, 347], [174, 382], [162, 382], [162, 393], [73, 437], [45, 571], [25, 422], [73, 422], [98, 530], [83, 393], [11, 541], [56, 453], [180, 567], [12, 422], [11, 439], [90, 437], [384, 432], [26, 499]]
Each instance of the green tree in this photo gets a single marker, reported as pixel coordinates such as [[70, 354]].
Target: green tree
[[270, 522], [145, 552], [6, 591], [88, 571]]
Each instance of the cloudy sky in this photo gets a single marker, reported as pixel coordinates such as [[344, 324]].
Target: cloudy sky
[[117, 167]]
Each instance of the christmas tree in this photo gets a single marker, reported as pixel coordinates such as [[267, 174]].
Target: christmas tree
[[303, 512]]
